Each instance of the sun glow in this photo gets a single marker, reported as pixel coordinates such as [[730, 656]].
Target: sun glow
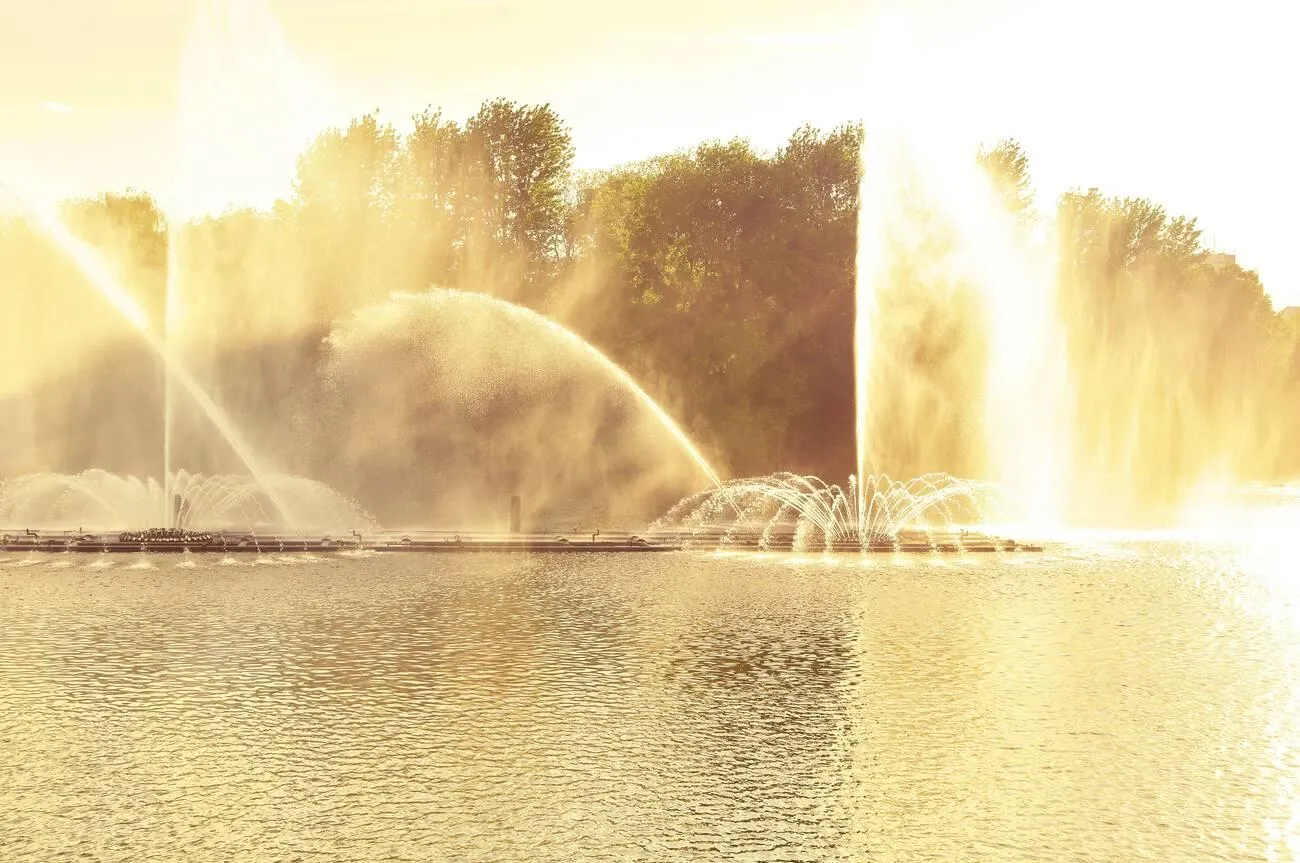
[[246, 108]]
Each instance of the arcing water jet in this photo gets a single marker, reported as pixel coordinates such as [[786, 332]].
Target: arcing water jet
[[468, 303]]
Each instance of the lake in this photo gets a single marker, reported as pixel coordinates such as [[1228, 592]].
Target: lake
[[1118, 701]]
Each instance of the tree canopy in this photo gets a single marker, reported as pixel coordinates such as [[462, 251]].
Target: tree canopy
[[722, 278]]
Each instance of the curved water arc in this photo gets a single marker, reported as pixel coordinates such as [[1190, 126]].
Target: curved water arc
[[608, 365]]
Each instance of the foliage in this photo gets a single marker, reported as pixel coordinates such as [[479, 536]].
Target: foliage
[[723, 279]]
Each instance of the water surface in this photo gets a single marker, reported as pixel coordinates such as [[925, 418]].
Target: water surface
[[1126, 702]]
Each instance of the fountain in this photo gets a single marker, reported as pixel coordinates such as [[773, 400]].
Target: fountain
[[482, 399], [872, 512], [263, 500], [98, 500], [260, 500], [408, 317], [209, 95], [786, 511], [99, 278], [900, 161], [246, 110]]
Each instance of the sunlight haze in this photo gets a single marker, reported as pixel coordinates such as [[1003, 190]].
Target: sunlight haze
[[587, 430], [1159, 99]]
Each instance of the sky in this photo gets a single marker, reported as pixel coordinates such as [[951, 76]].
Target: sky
[[1183, 102]]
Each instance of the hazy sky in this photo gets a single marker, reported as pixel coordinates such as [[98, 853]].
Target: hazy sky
[[1185, 102]]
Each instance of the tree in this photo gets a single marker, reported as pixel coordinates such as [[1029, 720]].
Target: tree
[[433, 198], [349, 171], [722, 278], [130, 231], [1174, 352], [515, 169], [344, 190], [734, 274], [1008, 167]]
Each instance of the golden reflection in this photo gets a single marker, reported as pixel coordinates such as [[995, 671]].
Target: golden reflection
[[1052, 669], [927, 715]]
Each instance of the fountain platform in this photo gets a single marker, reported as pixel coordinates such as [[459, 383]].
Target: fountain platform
[[160, 540], [906, 542], [225, 542]]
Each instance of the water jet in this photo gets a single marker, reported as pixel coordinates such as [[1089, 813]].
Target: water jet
[[92, 268], [785, 511]]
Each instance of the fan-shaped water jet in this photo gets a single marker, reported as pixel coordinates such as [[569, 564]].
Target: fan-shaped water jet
[[801, 512], [98, 500]]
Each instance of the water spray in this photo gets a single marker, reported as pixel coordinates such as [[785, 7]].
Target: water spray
[[88, 262]]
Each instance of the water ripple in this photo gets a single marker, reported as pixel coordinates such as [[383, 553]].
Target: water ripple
[[1134, 706]]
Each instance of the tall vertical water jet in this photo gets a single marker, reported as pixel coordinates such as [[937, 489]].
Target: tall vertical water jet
[[1026, 385], [995, 253], [171, 346], [914, 149], [877, 164], [875, 203], [245, 110]]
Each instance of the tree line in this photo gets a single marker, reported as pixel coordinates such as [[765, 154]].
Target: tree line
[[722, 278]]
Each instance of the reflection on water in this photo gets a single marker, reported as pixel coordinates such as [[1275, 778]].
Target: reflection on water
[[1137, 702]]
